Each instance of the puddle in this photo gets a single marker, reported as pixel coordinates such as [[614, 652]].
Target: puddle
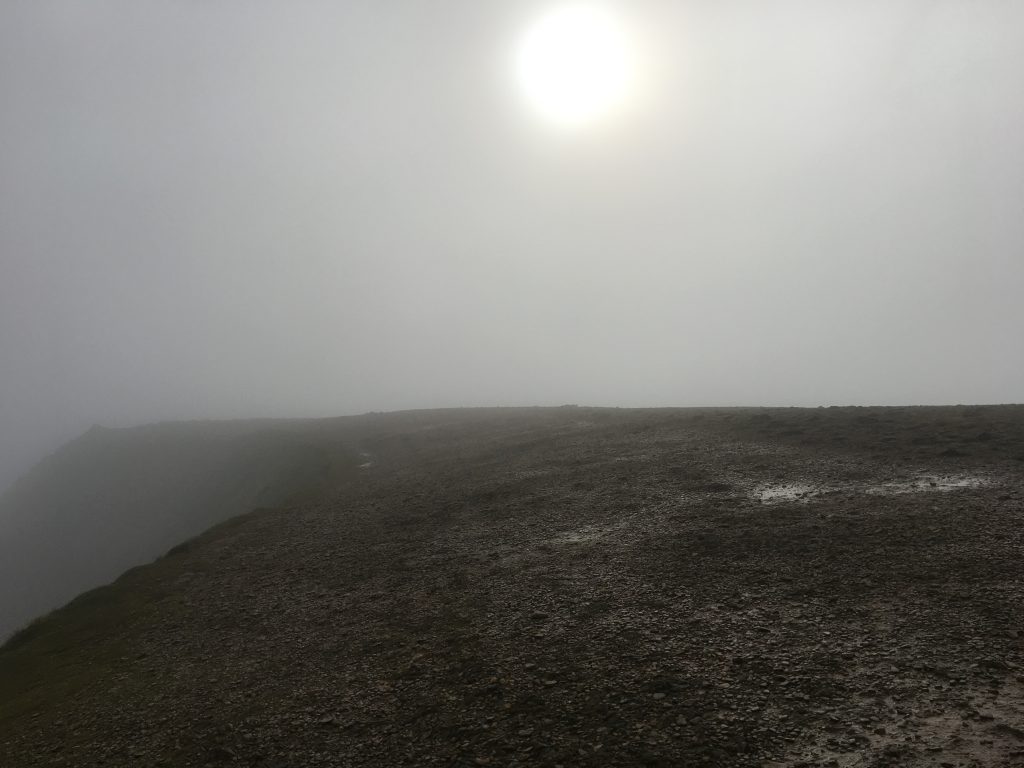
[[770, 494], [805, 492], [925, 484]]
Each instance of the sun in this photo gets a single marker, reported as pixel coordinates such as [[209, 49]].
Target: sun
[[574, 64]]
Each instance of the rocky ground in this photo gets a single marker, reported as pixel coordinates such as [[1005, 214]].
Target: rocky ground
[[838, 587]]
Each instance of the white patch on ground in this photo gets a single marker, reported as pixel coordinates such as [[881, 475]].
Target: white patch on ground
[[770, 494], [927, 484], [804, 492]]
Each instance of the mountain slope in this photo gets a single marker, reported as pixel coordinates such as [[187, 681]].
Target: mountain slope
[[113, 499], [574, 587]]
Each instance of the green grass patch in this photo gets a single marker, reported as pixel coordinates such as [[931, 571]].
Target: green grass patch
[[74, 647]]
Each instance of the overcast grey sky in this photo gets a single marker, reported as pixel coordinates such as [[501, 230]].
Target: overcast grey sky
[[243, 208]]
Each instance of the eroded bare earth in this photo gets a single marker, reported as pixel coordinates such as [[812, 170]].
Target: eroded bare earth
[[584, 587]]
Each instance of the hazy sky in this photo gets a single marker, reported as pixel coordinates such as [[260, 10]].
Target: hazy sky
[[241, 208]]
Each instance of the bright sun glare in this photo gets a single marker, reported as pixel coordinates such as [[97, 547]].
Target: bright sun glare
[[575, 65]]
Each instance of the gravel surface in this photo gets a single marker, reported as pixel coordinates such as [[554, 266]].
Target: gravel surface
[[580, 586]]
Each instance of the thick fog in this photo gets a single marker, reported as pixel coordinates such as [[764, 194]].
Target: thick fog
[[226, 209]]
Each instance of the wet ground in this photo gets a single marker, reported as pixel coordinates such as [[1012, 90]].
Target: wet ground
[[797, 491], [588, 587]]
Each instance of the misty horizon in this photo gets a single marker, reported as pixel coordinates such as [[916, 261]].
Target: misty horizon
[[236, 211]]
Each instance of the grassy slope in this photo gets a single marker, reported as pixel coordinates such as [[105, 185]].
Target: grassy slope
[[116, 498], [59, 655]]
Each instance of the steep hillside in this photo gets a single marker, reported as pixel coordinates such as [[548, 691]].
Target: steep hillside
[[572, 587], [116, 498]]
